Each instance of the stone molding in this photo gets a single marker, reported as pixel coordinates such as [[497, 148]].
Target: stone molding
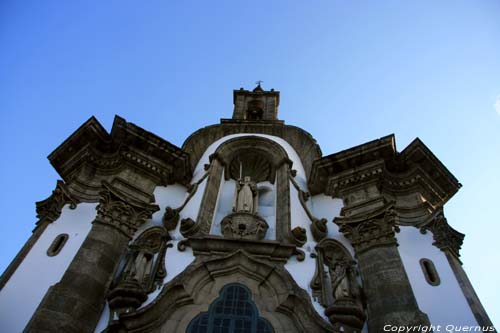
[[287, 307], [122, 213], [91, 155], [395, 174], [220, 161], [301, 141], [212, 246], [370, 230]]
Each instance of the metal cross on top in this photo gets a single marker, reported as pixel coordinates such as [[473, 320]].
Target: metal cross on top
[[259, 82]]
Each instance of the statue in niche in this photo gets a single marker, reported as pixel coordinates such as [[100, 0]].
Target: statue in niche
[[141, 266], [246, 196], [336, 288], [143, 272], [340, 270]]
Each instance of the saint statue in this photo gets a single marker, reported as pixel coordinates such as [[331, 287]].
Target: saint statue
[[340, 271], [141, 266], [340, 280], [246, 196]]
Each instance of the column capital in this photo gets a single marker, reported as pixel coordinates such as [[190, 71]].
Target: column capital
[[50, 209], [446, 238], [118, 210], [370, 230]]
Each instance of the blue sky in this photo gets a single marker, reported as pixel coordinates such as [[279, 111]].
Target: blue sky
[[348, 72]]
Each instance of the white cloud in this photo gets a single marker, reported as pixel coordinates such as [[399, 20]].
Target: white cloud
[[497, 104]]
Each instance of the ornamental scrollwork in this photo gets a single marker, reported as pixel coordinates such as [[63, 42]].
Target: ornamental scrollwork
[[120, 214], [445, 237], [365, 232], [50, 208]]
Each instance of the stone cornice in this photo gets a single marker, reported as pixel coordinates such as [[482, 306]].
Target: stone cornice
[[90, 150], [417, 154], [414, 170], [264, 249], [348, 161]]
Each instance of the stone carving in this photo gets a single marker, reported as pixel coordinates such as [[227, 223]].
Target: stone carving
[[336, 288], [191, 291], [374, 229], [319, 229], [299, 236], [246, 196], [50, 208], [143, 272], [244, 225], [118, 213], [446, 238], [189, 227], [171, 216]]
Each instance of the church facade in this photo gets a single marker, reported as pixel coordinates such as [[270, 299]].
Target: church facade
[[245, 228]]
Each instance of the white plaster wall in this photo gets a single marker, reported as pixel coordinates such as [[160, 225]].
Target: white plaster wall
[[445, 304], [23, 292], [329, 208]]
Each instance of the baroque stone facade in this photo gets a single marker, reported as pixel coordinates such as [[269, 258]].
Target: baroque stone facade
[[245, 228]]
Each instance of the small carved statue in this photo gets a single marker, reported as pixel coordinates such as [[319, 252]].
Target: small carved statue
[[336, 288], [143, 272], [141, 265], [246, 196], [339, 277]]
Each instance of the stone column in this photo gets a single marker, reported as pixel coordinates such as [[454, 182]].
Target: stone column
[[389, 296], [75, 303]]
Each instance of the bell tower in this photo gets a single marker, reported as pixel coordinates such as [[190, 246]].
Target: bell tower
[[256, 105]]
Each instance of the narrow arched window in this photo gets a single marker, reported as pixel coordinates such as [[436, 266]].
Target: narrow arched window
[[232, 312], [57, 245], [430, 273]]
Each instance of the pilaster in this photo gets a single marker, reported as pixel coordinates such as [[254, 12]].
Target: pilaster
[[75, 303], [389, 296]]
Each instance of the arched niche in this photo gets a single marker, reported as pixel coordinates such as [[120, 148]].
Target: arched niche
[[254, 156], [278, 298]]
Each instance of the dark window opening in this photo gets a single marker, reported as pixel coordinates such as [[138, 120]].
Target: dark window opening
[[255, 110], [57, 245], [232, 312], [430, 273]]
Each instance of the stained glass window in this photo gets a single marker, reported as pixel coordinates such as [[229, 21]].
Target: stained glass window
[[232, 312]]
